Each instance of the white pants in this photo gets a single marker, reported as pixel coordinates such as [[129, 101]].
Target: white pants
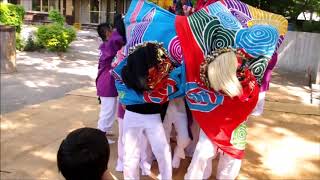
[[135, 125], [199, 168], [146, 153], [107, 113], [258, 110], [176, 115], [195, 130]]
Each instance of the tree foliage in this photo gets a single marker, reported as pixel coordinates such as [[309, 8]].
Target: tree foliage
[[11, 14], [56, 17], [55, 37], [291, 10], [287, 8]]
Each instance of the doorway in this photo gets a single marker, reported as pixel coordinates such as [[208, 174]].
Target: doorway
[[94, 11]]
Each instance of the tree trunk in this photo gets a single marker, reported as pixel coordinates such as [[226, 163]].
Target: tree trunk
[[8, 49], [304, 15], [311, 15]]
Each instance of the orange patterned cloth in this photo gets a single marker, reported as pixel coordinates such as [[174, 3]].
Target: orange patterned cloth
[[165, 4]]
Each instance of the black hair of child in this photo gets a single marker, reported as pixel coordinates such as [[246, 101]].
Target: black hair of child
[[179, 8], [120, 27], [83, 155], [102, 29]]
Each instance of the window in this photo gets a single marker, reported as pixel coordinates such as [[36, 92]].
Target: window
[[45, 5], [36, 5], [53, 4], [14, 1], [94, 11]]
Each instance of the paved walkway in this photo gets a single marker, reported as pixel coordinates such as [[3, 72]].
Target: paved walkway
[[282, 144], [43, 76]]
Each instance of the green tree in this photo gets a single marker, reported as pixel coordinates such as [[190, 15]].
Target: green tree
[[287, 8], [55, 37], [11, 14], [291, 10], [56, 17]]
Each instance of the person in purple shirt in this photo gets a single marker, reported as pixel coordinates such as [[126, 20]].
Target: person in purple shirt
[[113, 40]]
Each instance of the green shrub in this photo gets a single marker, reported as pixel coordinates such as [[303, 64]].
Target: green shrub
[[55, 37], [11, 14], [19, 42], [311, 26], [56, 17], [307, 26], [31, 45], [317, 26]]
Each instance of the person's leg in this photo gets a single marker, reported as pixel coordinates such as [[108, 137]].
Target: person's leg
[[258, 110], [132, 151], [195, 130], [159, 145], [228, 167], [131, 138], [107, 114], [167, 124], [119, 166], [208, 170], [183, 139], [205, 150], [145, 156], [145, 152]]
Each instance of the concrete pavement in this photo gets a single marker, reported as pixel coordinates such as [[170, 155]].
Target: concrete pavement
[[284, 143], [42, 76]]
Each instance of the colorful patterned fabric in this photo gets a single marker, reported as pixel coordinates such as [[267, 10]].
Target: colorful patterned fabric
[[202, 3], [226, 23], [165, 4], [146, 21]]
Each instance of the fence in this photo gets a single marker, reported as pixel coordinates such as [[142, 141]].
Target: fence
[[300, 52]]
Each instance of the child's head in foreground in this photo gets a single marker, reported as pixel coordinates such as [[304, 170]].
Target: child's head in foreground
[[83, 155]]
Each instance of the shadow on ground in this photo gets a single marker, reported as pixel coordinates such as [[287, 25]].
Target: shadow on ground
[[281, 144], [45, 75]]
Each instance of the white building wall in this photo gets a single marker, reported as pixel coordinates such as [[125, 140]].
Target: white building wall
[[27, 4]]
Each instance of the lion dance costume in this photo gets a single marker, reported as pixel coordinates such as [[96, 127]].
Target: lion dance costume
[[253, 33]]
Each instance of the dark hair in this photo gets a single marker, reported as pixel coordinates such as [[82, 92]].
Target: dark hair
[[135, 73], [102, 29], [170, 9], [120, 27], [179, 8], [83, 155]]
